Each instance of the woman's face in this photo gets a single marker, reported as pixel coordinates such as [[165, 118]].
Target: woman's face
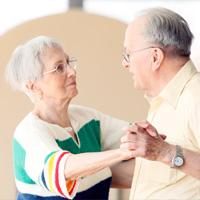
[[55, 86]]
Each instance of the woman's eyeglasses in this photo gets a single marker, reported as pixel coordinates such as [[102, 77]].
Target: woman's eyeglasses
[[61, 68]]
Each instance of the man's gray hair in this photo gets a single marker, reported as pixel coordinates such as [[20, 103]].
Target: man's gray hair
[[25, 64], [166, 28]]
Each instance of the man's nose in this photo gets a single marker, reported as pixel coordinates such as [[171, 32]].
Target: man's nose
[[125, 63]]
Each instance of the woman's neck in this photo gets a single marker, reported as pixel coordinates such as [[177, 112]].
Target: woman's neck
[[54, 113]]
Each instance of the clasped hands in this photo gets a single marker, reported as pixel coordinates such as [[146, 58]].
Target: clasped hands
[[144, 141]]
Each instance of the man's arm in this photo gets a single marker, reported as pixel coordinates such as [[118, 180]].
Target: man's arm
[[139, 143], [122, 174]]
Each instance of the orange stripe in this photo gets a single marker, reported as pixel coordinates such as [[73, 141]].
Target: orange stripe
[[70, 192], [69, 185]]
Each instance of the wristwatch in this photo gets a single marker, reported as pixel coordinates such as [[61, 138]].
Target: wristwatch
[[178, 159]]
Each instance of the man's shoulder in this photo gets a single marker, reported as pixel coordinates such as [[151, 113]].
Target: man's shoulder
[[192, 88]]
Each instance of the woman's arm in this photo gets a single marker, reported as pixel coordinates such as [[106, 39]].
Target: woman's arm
[[85, 164]]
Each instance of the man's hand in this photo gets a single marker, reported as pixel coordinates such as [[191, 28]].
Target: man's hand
[[144, 141], [141, 127]]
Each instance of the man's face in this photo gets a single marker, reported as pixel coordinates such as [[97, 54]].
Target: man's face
[[139, 61]]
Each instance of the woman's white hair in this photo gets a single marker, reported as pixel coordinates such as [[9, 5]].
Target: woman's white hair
[[25, 64], [168, 29]]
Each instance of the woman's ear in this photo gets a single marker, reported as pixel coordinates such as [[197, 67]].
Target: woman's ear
[[32, 86], [157, 58]]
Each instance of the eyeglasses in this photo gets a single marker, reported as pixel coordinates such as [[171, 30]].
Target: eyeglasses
[[127, 56], [61, 68]]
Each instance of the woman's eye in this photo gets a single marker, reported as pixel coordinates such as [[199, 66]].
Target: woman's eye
[[61, 68]]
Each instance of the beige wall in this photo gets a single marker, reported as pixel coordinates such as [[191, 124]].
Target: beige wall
[[103, 84]]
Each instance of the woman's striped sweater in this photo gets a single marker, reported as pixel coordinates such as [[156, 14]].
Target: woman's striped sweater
[[41, 150]]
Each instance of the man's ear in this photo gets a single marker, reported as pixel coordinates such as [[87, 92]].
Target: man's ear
[[32, 86], [157, 58]]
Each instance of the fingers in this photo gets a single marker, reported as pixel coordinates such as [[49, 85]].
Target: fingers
[[143, 127], [163, 136], [132, 142], [134, 128], [143, 141], [128, 146], [129, 138], [149, 128], [135, 145], [143, 145]]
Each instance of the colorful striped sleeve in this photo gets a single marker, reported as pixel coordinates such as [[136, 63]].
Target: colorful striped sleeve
[[52, 177]]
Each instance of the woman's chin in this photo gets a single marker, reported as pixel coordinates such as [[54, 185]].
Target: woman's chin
[[73, 94]]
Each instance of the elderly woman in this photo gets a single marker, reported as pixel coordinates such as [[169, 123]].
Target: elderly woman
[[60, 150]]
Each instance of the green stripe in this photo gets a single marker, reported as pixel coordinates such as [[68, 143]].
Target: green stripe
[[19, 163], [89, 136]]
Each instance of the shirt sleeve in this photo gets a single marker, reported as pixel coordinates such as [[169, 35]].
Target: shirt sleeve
[[43, 161], [52, 176]]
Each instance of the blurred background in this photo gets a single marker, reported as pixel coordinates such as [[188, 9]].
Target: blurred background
[[16, 12], [93, 30]]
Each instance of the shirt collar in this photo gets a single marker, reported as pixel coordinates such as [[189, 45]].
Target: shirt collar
[[172, 91]]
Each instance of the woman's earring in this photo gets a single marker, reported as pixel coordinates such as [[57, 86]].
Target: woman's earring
[[40, 96]]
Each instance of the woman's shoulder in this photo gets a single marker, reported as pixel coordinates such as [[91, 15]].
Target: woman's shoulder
[[30, 121], [31, 124]]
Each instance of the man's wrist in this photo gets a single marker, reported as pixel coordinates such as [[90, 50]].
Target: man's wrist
[[178, 158]]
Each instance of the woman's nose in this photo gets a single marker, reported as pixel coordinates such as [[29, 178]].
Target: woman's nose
[[70, 71]]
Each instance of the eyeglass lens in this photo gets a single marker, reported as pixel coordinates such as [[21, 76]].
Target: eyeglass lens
[[61, 68], [73, 63], [125, 55]]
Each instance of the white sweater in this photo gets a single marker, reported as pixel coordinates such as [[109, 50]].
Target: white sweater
[[41, 149]]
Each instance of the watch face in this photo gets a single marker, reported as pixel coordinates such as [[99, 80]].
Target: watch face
[[178, 161]]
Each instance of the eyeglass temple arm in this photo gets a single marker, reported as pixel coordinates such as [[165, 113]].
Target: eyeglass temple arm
[[50, 71]]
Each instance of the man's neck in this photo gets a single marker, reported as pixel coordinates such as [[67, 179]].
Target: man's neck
[[165, 74]]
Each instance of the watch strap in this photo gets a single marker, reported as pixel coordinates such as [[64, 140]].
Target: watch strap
[[179, 151]]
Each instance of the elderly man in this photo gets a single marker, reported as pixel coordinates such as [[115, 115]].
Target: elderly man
[[157, 52]]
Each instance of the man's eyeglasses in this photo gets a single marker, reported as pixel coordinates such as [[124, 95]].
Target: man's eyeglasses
[[127, 56], [61, 68]]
